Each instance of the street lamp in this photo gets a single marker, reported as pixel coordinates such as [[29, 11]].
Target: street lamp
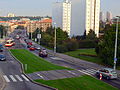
[[55, 39], [115, 53]]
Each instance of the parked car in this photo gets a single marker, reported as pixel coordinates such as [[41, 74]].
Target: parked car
[[43, 53], [107, 73], [2, 57], [32, 48]]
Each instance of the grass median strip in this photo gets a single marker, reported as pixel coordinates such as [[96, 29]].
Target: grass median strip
[[78, 83], [77, 53], [34, 63]]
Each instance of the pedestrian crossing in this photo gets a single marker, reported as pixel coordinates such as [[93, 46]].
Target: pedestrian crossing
[[88, 71], [15, 78]]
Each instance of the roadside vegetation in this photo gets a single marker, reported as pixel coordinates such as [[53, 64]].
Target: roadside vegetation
[[78, 83], [85, 54], [33, 62], [104, 45]]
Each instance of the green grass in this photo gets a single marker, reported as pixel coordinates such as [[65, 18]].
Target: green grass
[[33, 62], [78, 83], [77, 53]]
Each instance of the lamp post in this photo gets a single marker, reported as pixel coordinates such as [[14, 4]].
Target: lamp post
[[55, 39], [115, 53]]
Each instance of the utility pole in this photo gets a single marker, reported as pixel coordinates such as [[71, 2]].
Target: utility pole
[[55, 40], [115, 53]]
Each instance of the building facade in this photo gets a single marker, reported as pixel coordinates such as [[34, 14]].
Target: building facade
[[108, 17], [85, 16], [43, 25], [61, 15], [92, 16]]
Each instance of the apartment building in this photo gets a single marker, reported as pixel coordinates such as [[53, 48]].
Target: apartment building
[[61, 15]]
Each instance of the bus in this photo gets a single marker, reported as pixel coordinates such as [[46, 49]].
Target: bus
[[9, 43]]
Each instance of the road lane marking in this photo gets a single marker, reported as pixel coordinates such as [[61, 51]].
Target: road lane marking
[[18, 77], [25, 77], [6, 78], [14, 80], [88, 72], [40, 76], [72, 72], [84, 72]]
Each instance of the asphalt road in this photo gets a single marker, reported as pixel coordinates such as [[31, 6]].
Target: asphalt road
[[64, 60], [72, 63], [10, 70]]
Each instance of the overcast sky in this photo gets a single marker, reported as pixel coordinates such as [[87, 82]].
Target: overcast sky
[[44, 7]]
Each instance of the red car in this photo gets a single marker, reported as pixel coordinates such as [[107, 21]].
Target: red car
[[29, 43], [32, 48]]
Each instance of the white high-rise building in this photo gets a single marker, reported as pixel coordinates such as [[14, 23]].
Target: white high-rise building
[[108, 16], [61, 15], [87, 13], [92, 16]]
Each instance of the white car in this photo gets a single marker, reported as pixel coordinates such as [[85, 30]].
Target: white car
[[107, 73]]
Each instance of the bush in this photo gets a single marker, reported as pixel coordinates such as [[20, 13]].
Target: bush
[[72, 45], [62, 48], [87, 44]]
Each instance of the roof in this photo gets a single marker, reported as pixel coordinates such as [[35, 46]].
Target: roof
[[46, 21]]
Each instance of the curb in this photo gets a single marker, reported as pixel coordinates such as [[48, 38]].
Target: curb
[[22, 71], [4, 84]]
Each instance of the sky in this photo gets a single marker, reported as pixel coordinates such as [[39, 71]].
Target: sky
[[44, 7]]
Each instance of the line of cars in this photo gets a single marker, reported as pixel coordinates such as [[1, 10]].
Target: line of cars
[[42, 52], [2, 57]]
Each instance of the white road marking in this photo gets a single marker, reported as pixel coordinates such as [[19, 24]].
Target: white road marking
[[84, 72], [72, 72], [25, 77], [87, 72], [18, 77], [6, 78], [56, 58], [14, 80], [40, 76]]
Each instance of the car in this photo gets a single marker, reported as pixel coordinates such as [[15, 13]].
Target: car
[[29, 43], [17, 37], [2, 57], [38, 48], [43, 53], [32, 48], [1, 48], [107, 73], [28, 46]]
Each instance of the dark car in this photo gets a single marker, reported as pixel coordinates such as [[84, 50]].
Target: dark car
[[43, 53], [2, 58], [1, 48]]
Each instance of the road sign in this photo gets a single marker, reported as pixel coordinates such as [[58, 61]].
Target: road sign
[[38, 36], [35, 39], [115, 60]]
